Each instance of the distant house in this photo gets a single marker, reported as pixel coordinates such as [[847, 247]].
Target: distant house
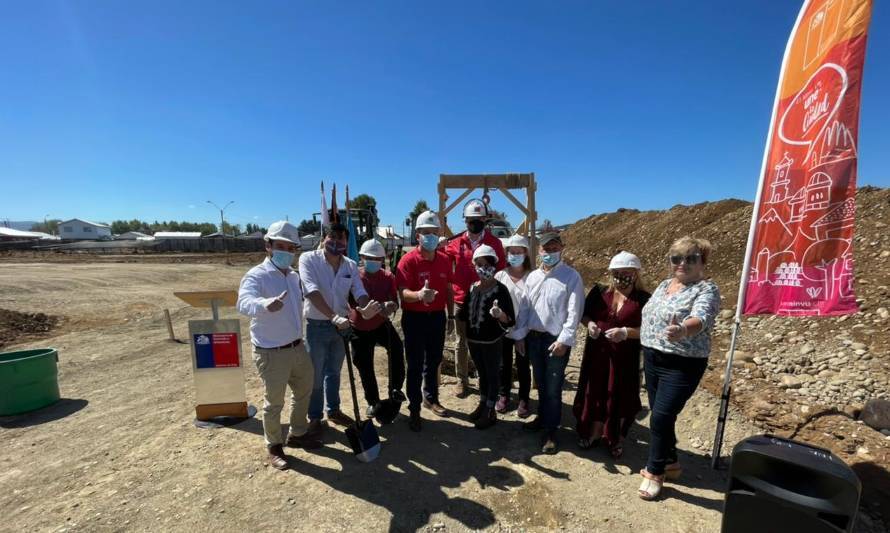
[[178, 235], [254, 235], [131, 236], [9, 234], [79, 229]]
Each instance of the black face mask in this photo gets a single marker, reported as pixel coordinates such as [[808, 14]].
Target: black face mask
[[623, 281], [475, 226]]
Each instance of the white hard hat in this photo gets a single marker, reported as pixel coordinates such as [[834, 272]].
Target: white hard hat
[[625, 260], [283, 231], [517, 240], [427, 219], [485, 250], [372, 248], [475, 208]]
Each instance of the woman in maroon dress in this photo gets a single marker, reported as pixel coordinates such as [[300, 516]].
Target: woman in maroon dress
[[608, 397]]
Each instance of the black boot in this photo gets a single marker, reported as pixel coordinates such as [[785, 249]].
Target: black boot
[[488, 418]]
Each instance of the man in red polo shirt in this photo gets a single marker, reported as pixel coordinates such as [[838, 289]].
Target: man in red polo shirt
[[460, 252], [377, 330], [423, 278]]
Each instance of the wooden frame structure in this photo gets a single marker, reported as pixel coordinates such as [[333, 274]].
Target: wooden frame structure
[[487, 182]]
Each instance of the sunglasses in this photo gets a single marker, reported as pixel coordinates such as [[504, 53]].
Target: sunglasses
[[691, 259]]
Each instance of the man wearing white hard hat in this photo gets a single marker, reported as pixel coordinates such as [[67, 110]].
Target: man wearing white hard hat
[[423, 279], [460, 250], [377, 330], [271, 295], [608, 395]]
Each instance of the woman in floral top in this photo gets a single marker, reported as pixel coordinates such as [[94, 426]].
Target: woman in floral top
[[676, 339]]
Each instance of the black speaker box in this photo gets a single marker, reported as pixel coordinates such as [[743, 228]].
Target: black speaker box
[[783, 486]]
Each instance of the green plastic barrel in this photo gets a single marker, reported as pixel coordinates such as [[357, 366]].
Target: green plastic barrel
[[29, 380]]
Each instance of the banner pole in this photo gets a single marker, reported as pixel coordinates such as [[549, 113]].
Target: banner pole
[[746, 266]]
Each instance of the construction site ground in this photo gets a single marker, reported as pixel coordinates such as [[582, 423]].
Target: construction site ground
[[121, 452]]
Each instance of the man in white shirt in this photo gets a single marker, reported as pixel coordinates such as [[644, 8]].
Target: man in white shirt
[[270, 294], [556, 301], [329, 277]]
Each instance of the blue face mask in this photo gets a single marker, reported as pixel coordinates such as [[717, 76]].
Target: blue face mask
[[515, 259], [550, 259], [282, 259], [372, 266], [429, 242]]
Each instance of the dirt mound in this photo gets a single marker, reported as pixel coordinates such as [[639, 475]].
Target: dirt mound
[[15, 326], [805, 378]]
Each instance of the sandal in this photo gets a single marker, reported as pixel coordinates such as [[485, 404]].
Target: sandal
[[650, 488], [586, 444], [672, 471], [616, 450]]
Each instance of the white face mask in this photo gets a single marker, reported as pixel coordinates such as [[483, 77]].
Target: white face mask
[[551, 258]]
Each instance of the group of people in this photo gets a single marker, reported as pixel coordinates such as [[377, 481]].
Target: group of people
[[501, 309]]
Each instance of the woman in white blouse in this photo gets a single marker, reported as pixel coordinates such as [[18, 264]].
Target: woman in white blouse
[[513, 277]]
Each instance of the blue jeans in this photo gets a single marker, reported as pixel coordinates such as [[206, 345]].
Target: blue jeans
[[325, 346], [550, 374], [670, 381], [424, 343]]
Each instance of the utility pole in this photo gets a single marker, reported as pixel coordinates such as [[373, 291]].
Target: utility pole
[[45, 226], [222, 225]]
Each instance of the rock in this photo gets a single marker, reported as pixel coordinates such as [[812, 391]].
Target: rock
[[789, 381], [859, 346], [741, 357], [726, 314], [876, 414], [807, 349]]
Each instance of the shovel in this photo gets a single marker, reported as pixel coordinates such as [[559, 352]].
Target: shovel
[[362, 435]]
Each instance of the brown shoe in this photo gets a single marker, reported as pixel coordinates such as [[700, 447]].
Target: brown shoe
[[476, 414], [436, 408], [277, 458], [340, 418], [305, 441], [462, 389], [316, 427]]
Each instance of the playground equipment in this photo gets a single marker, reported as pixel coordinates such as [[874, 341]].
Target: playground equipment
[[487, 182]]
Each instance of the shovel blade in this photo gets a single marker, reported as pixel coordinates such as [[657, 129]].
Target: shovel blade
[[364, 441]]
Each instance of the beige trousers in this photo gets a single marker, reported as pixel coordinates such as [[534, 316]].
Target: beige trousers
[[278, 369]]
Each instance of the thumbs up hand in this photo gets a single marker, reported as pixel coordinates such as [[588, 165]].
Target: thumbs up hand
[[496, 311], [277, 303], [426, 294], [676, 330]]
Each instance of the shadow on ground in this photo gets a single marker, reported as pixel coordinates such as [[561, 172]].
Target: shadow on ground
[[56, 411]]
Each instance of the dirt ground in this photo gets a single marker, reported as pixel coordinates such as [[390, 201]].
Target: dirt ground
[[120, 452]]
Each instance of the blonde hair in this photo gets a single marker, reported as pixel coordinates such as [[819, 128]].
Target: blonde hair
[[687, 244]]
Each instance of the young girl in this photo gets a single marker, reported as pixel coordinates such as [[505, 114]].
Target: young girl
[[513, 277], [488, 313]]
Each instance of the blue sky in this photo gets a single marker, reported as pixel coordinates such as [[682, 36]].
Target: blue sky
[[147, 109]]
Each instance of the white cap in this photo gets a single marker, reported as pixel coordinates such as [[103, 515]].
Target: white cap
[[283, 231], [625, 260], [372, 248], [518, 241], [475, 208], [427, 219], [485, 250]]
